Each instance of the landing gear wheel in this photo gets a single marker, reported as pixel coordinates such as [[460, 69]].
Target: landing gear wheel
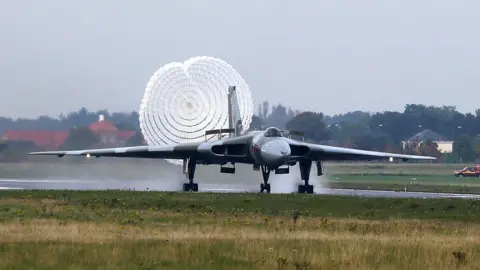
[[190, 187], [305, 189], [305, 167], [189, 166], [264, 187], [309, 189]]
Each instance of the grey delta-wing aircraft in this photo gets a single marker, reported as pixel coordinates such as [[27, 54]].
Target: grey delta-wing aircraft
[[268, 150]]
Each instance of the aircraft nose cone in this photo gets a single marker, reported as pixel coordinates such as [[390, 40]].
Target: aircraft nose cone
[[276, 153]]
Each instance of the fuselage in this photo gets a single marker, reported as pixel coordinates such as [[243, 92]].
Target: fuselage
[[269, 148], [262, 148]]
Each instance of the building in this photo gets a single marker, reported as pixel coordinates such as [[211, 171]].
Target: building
[[109, 133], [51, 140], [444, 145], [41, 138]]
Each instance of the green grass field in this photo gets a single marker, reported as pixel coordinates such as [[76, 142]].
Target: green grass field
[[413, 177], [424, 183], [435, 169], [153, 230]]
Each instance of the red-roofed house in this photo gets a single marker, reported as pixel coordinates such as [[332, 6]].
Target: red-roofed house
[[42, 138], [108, 133], [103, 126]]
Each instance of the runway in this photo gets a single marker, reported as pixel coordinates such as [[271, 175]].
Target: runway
[[145, 185]]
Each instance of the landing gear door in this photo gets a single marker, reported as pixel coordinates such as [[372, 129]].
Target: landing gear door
[[185, 161]]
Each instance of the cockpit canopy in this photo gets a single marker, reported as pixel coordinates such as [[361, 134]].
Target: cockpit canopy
[[273, 132]]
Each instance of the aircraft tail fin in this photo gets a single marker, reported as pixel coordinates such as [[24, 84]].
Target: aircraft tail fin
[[234, 116]]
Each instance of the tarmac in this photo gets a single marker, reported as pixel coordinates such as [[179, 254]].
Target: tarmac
[[145, 185]]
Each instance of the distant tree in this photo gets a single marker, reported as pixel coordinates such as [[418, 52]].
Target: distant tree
[[17, 150], [80, 138], [266, 109], [464, 149], [428, 148], [372, 141], [344, 132], [311, 124], [355, 117], [290, 114], [125, 126], [136, 140], [390, 123], [410, 148], [278, 117], [257, 123]]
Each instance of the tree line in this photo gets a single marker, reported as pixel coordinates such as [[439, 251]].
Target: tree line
[[385, 131], [82, 117], [381, 131]]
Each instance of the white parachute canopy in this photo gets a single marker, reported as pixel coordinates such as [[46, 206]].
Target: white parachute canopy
[[183, 100]]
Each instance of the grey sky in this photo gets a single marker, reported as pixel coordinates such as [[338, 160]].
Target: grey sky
[[329, 56]]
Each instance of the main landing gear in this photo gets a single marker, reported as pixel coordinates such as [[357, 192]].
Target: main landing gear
[[305, 168], [265, 186], [189, 166]]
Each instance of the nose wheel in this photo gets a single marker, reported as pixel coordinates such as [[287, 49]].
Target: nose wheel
[[265, 186]]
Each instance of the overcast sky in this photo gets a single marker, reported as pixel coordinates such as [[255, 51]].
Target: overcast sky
[[330, 56]]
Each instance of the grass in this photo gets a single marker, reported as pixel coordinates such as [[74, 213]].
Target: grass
[[407, 178], [395, 168], [421, 183], [397, 177], [153, 230], [417, 187]]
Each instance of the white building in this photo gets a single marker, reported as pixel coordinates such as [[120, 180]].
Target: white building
[[444, 145]]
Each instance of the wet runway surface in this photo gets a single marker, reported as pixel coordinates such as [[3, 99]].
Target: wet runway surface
[[141, 185]]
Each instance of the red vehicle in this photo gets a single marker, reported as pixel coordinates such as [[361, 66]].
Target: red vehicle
[[468, 172]]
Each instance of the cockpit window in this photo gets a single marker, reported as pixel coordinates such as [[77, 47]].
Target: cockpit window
[[273, 132]]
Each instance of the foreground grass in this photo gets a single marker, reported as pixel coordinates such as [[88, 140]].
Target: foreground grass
[[119, 204], [151, 230], [244, 243]]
